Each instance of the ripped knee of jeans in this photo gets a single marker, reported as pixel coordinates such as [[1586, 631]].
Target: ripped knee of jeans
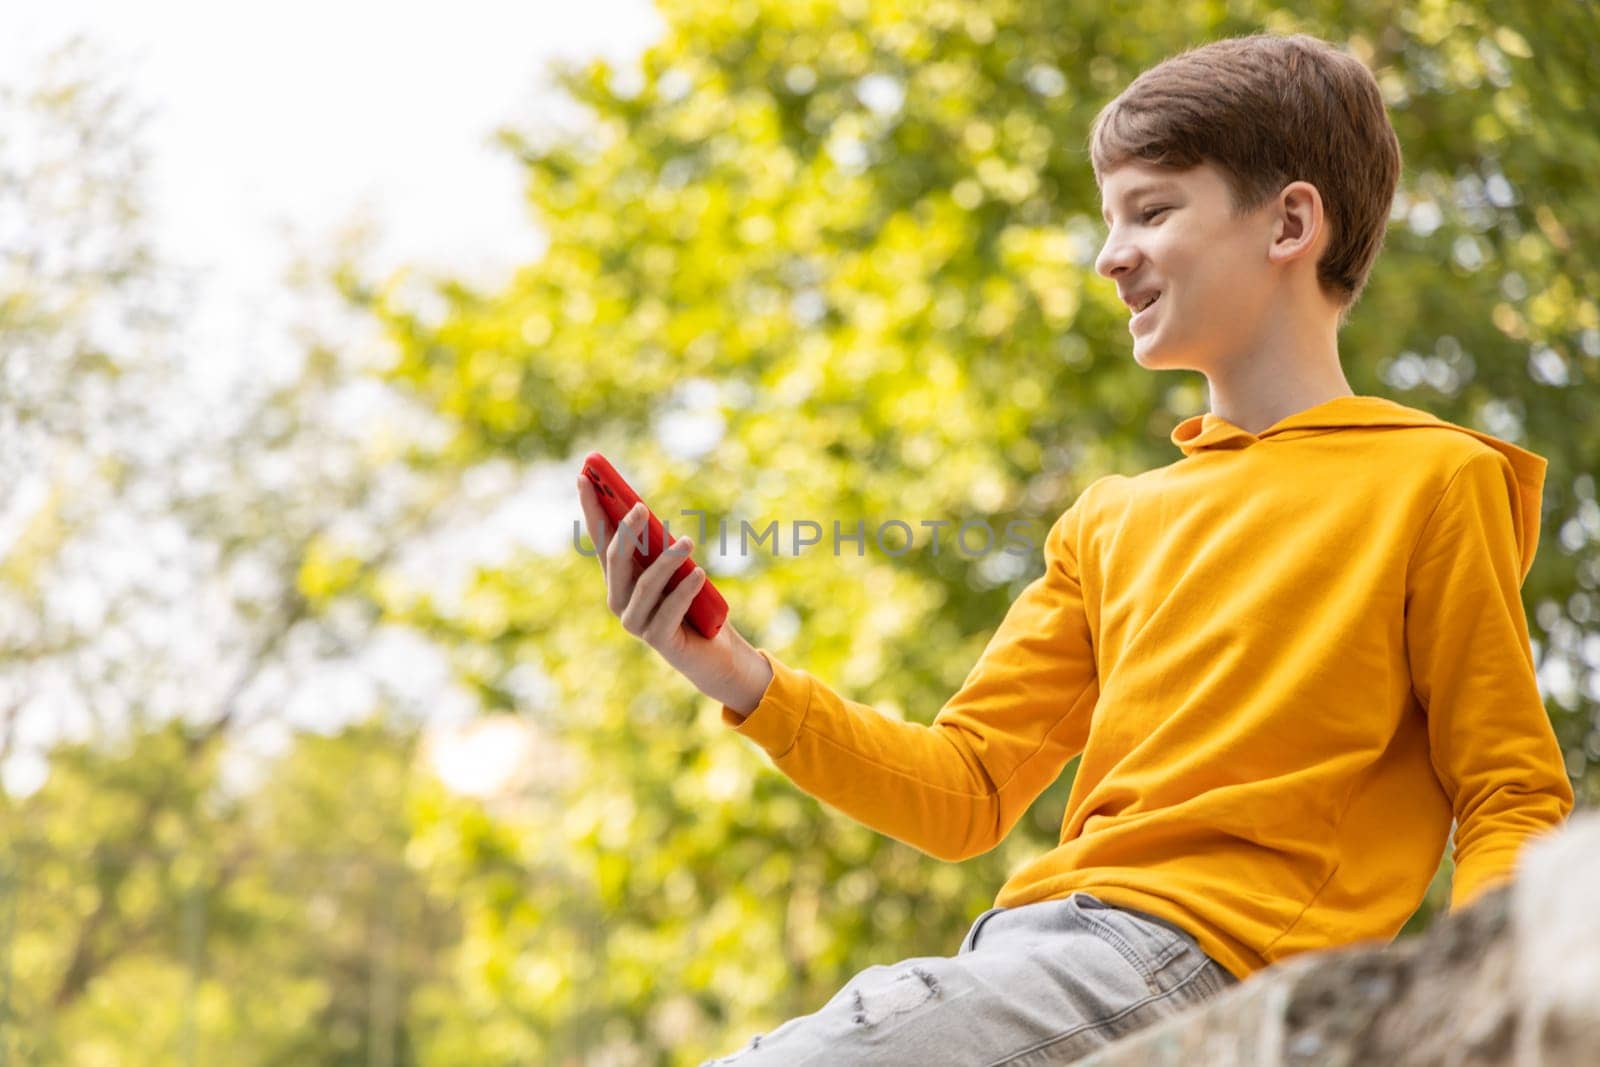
[[905, 991]]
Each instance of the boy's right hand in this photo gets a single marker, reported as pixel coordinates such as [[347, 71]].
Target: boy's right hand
[[725, 667]]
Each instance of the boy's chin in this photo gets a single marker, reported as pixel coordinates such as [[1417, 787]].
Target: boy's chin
[[1151, 354]]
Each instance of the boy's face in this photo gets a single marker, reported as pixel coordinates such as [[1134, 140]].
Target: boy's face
[[1172, 232]]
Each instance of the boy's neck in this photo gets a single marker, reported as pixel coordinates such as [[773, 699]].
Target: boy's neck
[[1255, 412], [1291, 366]]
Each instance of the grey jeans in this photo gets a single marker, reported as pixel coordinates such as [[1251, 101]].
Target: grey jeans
[[1041, 984]]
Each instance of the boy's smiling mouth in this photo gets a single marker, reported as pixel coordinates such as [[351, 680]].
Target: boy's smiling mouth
[[1144, 311], [1138, 301]]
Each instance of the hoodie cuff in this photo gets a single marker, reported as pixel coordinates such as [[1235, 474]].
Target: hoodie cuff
[[775, 722]]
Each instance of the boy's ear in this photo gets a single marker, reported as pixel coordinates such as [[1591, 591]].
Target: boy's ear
[[1299, 224]]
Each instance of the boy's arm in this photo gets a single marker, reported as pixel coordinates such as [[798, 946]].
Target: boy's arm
[[1493, 747], [955, 788]]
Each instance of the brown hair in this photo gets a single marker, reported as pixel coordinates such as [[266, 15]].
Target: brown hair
[[1269, 109]]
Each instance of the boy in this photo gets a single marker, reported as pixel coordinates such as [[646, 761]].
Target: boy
[[1288, 659]]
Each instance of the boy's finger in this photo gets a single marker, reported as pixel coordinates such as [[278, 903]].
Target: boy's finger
[[621, 569], [645, 597], [665, 566], [674, 607], [651, 578]]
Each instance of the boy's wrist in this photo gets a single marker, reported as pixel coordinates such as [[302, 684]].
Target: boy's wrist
[[755, 676]]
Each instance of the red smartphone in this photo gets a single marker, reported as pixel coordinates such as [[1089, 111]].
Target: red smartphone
[[708, 610]]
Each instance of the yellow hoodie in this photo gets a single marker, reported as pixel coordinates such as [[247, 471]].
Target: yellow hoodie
[[1288, 660]]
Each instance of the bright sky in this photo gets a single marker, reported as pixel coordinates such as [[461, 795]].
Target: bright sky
[[298, 115]]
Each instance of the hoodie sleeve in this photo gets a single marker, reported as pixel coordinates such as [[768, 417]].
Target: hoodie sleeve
[[955, 788], [1472, 669]]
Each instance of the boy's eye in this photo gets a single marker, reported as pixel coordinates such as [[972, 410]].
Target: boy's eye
[[1152, 213]]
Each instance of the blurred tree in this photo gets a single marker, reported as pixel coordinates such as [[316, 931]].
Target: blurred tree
[[166, 916], [849, 247], [173, 581]]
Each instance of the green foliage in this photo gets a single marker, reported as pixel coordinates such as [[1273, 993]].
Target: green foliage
[[178, 922]]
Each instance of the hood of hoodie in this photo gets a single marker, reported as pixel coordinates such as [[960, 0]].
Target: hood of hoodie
[[1211, 433]]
